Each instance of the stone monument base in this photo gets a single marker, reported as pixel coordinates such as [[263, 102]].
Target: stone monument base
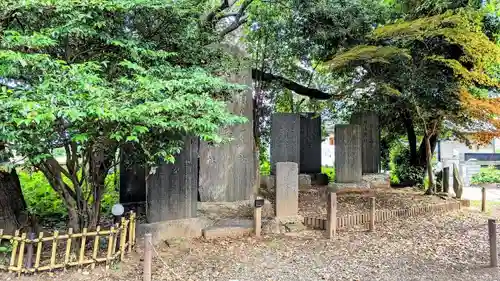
[[283, 225], [184, 228]]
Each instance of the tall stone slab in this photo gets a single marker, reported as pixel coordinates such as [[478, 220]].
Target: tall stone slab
[[285, 139], [348, 155], [370, 131], [310, 144], [228, 172], [172, 190], [132, 178], [287, 189]]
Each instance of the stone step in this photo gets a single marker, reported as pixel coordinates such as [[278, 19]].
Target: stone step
[[227, 228]]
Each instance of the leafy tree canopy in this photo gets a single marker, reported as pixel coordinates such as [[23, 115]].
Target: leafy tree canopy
[[91, 76]]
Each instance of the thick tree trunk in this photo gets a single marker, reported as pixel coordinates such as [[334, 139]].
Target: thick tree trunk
[[13, 214]]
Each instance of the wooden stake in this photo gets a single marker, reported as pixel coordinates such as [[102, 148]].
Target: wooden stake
[[68, 248], [38, 251], [54, 250], [123, 238], [257, 219], [372, 214], [21, 255], [147, 256], [82, 246], [483, 199], [110, 247], [95, 249], [14, 250], [492, 232], [331, 215]]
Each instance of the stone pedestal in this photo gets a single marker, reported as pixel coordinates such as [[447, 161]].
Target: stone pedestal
[[370, 141], [172, 191], [287, 189], [348, 168]]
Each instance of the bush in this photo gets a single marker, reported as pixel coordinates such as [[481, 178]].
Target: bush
[[330, 172], [46, 204], [486, 175], [401, 169], [265, 168]]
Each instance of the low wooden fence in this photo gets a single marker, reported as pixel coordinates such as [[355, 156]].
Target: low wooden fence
[[118, 240], [351, 220]]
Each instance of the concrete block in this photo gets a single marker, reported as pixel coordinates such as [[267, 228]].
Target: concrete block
[[184, 228], [228, 228]]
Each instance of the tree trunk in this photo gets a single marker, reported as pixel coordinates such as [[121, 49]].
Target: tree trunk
[[13, 214], [412, 137]]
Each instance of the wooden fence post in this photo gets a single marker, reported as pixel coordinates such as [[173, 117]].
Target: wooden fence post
[[257, 216], [372, 214], [147, 256], [483, 199], [331, 213], [492, 232]]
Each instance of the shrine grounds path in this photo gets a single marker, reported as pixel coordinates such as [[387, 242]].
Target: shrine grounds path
[[442, 248]]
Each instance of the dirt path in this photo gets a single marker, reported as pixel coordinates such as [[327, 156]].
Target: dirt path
[[452, 247]]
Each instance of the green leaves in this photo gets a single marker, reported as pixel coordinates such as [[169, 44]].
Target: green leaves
[[102, 73]]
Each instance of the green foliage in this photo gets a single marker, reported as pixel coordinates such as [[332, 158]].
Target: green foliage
[[330, 172], [401, 169], [486, 175], [45, 203], [41, 199], [92, 76], [265, 168]]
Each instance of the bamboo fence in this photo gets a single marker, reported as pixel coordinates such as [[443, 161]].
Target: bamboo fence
[[347, 221], [120, 238]]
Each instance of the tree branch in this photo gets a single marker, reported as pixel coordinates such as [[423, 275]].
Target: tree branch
[[212, 16], [239, 18], [289, 84]]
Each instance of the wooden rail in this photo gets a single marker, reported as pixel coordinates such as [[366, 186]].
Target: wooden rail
[[74, 252], [351, 220]]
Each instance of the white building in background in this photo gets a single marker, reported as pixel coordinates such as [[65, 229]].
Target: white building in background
[[328, 151]]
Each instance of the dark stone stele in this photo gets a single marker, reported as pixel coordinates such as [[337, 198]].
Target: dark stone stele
[[348, 168], [172, 191], [132, 179], [285, 139], [370, 131], [296, 137], [310, 144]]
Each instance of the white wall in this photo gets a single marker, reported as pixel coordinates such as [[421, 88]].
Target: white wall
[[327, 154]]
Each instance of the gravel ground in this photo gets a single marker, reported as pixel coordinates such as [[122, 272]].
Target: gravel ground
[[451, 247]]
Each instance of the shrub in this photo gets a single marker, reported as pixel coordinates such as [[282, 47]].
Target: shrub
[[265, 168], [486, 175], [46, 204], [330, 172], [401, 169]]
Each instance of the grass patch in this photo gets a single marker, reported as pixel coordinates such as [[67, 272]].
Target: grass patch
[[490, 206]]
